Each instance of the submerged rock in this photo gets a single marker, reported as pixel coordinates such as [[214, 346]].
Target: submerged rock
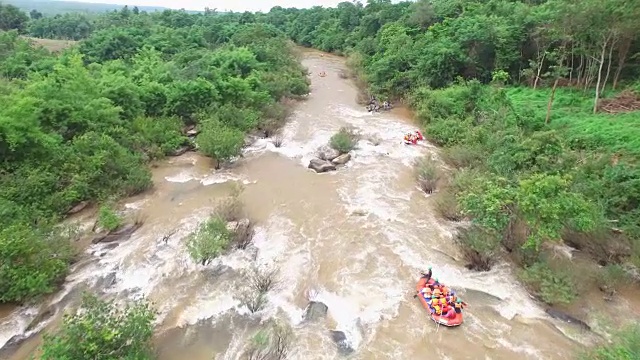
[[179, 151], [327, 153], [342, 159], [344, 346], [76, 209], [45, 313], [561, 315], [123, 233], [315, 310], [320, 166]]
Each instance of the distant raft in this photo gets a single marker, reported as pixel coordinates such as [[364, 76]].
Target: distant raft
[[413, 138]]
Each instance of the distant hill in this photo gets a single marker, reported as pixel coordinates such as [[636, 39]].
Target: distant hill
[[53, 7]]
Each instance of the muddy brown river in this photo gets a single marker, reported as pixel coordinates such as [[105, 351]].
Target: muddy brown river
[[355, 239]]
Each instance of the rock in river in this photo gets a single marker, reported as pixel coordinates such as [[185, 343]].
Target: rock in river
[[342, 159], [321, 166], [123, 233], [327, 153], [344, 346], [315, 310]]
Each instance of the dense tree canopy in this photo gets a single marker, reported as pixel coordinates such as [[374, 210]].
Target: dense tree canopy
[[81, 125]]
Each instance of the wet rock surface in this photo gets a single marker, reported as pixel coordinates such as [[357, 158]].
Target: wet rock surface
[[563, 316], [341, 341], [321, 166], [123, 233], [315, 310]]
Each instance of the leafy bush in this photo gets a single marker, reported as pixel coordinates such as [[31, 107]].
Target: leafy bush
[[344, 140], [462, 156], [551, 286], [219, 141], [108, 219], [427, 174], [101, 330], [33, 261], [210, 240]]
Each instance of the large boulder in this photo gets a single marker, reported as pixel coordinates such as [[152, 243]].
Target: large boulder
[[342, 159], [327, 153], [320, 166], [315, 310], [344, 346]]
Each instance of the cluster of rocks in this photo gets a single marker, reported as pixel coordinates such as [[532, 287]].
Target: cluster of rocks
[[328, 159]]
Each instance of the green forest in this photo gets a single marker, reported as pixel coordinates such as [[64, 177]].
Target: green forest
[[533, 102]]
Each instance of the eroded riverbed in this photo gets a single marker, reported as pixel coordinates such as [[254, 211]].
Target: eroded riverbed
[[355, 239]]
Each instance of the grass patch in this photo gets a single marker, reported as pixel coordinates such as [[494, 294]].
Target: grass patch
[[625, 346]]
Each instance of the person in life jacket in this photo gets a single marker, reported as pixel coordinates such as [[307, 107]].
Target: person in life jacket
[[445, 291], [419, 135], [437, 293], [437, 310], [444, 302], [426, 293], [449, 312], [428, 274], [458, 306]]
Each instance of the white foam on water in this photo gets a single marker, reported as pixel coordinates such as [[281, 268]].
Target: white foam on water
[[221, 178], [16, 323], [209, 305], [181, 177]]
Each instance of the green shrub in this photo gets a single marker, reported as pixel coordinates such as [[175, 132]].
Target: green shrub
[[102, 330], [344, 140], [550, 286], [210, 240], [463, 156], [108, 219], [33, 261], [219, 141]]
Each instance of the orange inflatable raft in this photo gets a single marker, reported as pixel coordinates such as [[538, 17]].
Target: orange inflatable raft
[[457, 321]]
